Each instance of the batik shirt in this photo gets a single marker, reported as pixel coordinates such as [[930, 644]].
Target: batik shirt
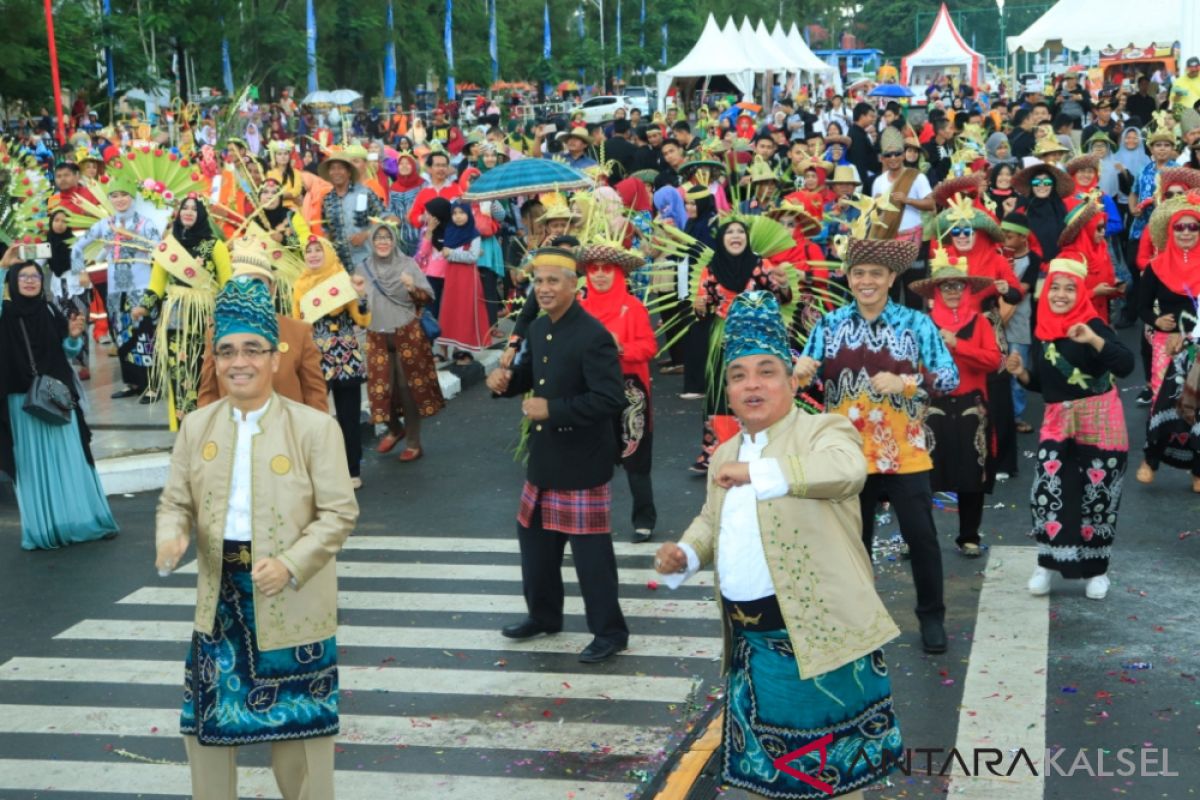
[[1144, 186], [902, 341]]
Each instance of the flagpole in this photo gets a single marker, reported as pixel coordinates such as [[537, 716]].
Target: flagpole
[[54, 79]]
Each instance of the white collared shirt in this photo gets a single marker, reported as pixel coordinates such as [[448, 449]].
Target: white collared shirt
[[741, 561], [238, 525]]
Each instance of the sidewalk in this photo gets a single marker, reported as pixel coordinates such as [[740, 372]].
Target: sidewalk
[[132, 442]]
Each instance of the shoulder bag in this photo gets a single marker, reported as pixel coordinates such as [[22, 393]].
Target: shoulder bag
[[48, 398]]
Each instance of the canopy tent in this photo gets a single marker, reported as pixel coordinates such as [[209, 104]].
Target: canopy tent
[[810, 62], [716, 53], [942, 51], [1096, 24], [757, 43]]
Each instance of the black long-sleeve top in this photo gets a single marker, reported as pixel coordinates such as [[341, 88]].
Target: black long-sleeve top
[[573, 363], [1051, 380], [1151, 290]]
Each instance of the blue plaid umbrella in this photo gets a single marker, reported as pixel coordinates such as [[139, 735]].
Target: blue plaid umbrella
[[527, 176]]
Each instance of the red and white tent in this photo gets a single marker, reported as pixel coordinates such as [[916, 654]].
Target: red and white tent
[[942, 52]]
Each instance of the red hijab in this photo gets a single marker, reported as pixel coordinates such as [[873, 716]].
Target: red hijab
[[953, 319], [1051, 325], [412, 180], [1172, 266], [607, 307], [634, 194]]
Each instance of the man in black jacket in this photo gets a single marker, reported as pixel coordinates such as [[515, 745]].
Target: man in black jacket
[[574, 374], [862, 153]]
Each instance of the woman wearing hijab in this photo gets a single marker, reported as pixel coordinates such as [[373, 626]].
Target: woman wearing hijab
[[1044, 186], [403, 194], [1083, 445], [1001, 192], [463, 315], [59, 495], [1167, 303], [402, 382], [489, 216], [959, 420], [623, 315], [190, 266], [335, 304], [734, 268], [72, 298], [272, 217], [291, 182], [429, 252], [1083, 240], [999, 150]]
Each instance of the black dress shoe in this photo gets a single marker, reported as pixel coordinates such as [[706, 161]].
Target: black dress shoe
[[933, 636], [128, 391], [601, 650], [526, 629]]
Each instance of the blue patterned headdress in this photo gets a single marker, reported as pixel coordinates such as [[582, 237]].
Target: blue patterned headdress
[[754, 325], [244, 306]]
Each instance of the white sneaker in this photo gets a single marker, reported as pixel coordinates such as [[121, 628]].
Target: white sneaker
[[1039, 584], [1097, 587]]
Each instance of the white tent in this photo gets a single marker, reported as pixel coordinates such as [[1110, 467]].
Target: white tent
[[716, 53], [942, 51], [799, 50], [782, 60], [1096, 24]]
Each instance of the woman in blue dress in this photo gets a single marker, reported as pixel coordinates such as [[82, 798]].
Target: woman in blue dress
[[59, 494]]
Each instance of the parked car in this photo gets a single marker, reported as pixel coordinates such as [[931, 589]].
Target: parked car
[[641, 98], [600, 109]]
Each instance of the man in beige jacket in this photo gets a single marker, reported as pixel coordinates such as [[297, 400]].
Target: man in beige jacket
[[802, 623], [263, 480]]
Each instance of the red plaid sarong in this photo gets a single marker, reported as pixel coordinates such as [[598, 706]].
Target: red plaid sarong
[[1098, 421], [571, 511]]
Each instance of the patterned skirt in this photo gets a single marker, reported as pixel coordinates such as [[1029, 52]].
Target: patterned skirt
[[1082, 456], [236, 694], [959, 425], [845, 715], [1170, 439], [411, 348], [134, 340]]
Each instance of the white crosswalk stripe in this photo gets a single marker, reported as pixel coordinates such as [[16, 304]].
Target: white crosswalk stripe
[[637, 720]]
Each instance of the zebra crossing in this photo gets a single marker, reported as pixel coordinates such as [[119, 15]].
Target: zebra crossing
[[435, 702]]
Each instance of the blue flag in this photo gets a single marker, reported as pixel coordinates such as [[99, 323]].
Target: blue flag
[[618, 39], [226, 67], [493, 45], [389, 58], [664, 37], [642, 28], [448, 36], [546, 41], [310, 37], [110, 72]]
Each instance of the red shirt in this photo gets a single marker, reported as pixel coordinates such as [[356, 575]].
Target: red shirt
[[976, 357], [450, 191]]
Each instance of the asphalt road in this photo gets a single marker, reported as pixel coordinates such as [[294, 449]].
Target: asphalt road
[[436, 704]]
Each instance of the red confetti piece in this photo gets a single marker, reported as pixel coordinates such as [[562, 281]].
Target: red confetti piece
[[547, 714]]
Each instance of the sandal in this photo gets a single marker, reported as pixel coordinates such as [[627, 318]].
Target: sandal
[[411, 454], [970, 550], [388, 442], [671, 369], [1024, 427]]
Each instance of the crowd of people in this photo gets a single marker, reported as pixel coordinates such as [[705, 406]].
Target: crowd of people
[[858, 305]]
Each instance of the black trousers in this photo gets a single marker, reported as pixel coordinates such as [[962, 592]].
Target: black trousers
[[491, 292], [645, 515], [347, 405], [912, 502], [595, 567], [437, 284]]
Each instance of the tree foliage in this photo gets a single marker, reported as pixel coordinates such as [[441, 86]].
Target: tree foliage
[[267, 41]]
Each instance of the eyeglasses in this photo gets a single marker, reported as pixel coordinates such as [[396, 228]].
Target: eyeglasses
[[1179, 227], [962, 230], [31, 278], [954, 287], [1042, 182], [893, 154], [1174, 193], [249, 353]]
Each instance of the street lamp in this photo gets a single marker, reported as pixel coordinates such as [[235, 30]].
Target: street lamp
[[599, 4]]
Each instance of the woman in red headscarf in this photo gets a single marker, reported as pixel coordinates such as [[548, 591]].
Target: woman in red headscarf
[[623, 315], [1167, 302], [1083, 240], [1083, 445], [959, 420]]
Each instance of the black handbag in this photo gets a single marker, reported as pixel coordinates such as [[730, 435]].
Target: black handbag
[[48, 398]]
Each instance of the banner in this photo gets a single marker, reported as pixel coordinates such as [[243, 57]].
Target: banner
[[310, 38], [546, 42], [619, 40], [493, 45], [226, 66], [389, 58], [664, 38], [448, 36]]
